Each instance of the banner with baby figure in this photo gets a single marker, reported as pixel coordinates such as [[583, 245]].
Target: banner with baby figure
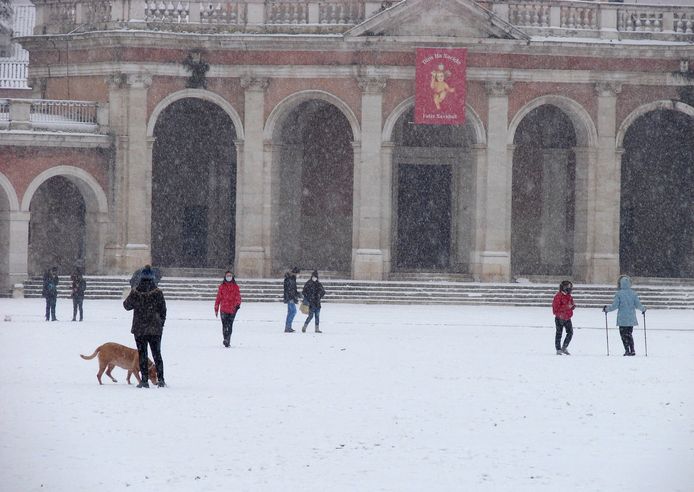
[[440, 86]]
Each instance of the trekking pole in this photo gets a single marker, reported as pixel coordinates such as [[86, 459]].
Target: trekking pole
[[607, 338], [645, 340]]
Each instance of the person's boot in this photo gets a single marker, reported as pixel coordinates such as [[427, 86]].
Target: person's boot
[[559, 352], [143, 384], [318, 329], [565, 352], [303, 328], [288, 329]]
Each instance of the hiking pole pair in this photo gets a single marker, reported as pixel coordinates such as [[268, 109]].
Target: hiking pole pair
[[645, 340], [607, 338]]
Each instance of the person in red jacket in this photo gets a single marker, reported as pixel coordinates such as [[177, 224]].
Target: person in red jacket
[[228, 301], [563, 308]]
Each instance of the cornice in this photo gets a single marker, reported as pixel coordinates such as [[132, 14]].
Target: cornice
[[53, 139], [474, 74]]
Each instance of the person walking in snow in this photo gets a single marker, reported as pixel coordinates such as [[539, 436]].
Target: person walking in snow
[[50, 292], [79, 286], [228, 301], [626, 301], [312, 293], [563, 308], [149, 315], [291, 297]]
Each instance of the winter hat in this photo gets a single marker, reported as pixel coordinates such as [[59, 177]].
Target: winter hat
[[314, 273], [147, 273], [296, 270]]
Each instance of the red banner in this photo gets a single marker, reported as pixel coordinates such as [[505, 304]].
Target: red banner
[[440, 86]]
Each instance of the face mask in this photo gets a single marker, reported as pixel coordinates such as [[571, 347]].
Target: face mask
[[228, 278], [315, 279], [567, 290]]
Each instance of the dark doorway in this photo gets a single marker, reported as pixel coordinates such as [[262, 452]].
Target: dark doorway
[[657, 196], [543, 194], [424, 216], [193, 186], [57, 229]]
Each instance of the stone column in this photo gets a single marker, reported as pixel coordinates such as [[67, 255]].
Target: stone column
[[367, 258], [493, 261], [250, 251], [18, 247], [130, 248], [388, 204], [604, 265]]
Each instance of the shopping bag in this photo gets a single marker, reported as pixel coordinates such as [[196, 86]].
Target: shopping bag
[[303, 308]]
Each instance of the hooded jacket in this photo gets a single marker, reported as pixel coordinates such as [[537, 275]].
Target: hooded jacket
[[313, 292], [291, 294], [228, 297], [626, 301], [149, 307]]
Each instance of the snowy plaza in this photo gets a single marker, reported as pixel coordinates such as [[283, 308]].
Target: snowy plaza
[[412, 397]]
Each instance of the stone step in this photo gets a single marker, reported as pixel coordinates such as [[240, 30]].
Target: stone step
[[421, 291]]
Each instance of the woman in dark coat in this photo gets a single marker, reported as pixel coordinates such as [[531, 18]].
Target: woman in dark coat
[[149, 316], [79, 286], [313, 292], [50, 292]]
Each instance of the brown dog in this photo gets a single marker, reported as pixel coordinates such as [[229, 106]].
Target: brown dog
[[113, 354]]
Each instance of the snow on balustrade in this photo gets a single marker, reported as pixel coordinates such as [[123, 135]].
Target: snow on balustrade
[[223, 13], [535, 14], [13, 74], [683, 22], [638, 19], [47, 110], [166, 11]]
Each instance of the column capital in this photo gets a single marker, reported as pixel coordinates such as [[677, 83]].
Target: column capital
[[498, 88], [251, 83], [127, 80], [608, 88], [372, 85]]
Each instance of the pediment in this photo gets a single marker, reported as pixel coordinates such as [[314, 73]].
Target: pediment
[[432, 19]]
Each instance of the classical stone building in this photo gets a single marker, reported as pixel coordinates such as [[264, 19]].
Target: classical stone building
[[264, 134]]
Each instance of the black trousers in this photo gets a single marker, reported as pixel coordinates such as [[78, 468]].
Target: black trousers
[[77, 305], [50, 308], [562, 324], [227, 326], [154, 342], [627, 338]]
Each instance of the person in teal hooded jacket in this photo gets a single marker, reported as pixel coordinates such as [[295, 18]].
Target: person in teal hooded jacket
[[626, 301]]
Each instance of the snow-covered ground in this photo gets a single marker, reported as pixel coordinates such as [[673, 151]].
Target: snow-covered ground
[[398, 398]]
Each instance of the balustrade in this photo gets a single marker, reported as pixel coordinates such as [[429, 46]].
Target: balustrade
[[537, 17], [48, 114]]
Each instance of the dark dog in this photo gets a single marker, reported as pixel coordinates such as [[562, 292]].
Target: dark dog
[[114, 354]]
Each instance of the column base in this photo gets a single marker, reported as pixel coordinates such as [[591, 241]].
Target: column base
[[492, 266], [367, 264], [602, 269], [119, 259], [250, 262]]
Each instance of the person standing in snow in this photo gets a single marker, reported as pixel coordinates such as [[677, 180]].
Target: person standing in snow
[[313, 292], [563, 308], [291, 297], [50, 292], [149, 315], [79, 286], [228, 301], [626, 301]]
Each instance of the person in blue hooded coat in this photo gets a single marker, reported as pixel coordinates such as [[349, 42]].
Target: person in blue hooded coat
[[626, 301]]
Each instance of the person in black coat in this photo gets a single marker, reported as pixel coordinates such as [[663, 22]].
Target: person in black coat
[[50, 292], [291, 297], [313, 292], [149, 316], [79, 286]]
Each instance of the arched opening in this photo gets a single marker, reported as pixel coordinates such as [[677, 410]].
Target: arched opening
[[193, 186], [657, 185], [433, 196], [57, 227], [543, 194], [315, 163]]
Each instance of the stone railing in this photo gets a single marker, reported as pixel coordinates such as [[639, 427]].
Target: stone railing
[[65, 16], [52, 115], [607, 20], [13, 74]]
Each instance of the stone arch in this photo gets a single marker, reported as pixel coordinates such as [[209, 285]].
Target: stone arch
[[289, 103], [647, 108], [470, 117], [6, 185], [95, 210], [196, 94], [89, 187], [586, 133]]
